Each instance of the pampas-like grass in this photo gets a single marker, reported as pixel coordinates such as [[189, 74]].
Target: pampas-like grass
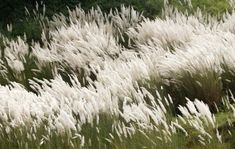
[[114, 80]]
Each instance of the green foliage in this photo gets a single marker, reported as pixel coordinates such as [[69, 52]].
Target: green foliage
[[150, 8], [213, 7], [228, 78], [206, 86]]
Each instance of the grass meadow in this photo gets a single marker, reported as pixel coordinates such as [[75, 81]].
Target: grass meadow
[[121, 80]]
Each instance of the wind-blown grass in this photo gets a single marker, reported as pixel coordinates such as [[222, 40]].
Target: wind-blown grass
[[120, 80]]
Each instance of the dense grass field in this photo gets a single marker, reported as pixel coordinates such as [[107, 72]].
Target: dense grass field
[[120, 79]]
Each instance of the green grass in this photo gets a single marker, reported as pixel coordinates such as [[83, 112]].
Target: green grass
[[213, 7]]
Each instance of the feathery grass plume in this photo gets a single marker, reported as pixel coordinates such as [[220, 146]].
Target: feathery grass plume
[[164, 33], [227, 23], [198, 116], [19, 64], [116, 22]]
